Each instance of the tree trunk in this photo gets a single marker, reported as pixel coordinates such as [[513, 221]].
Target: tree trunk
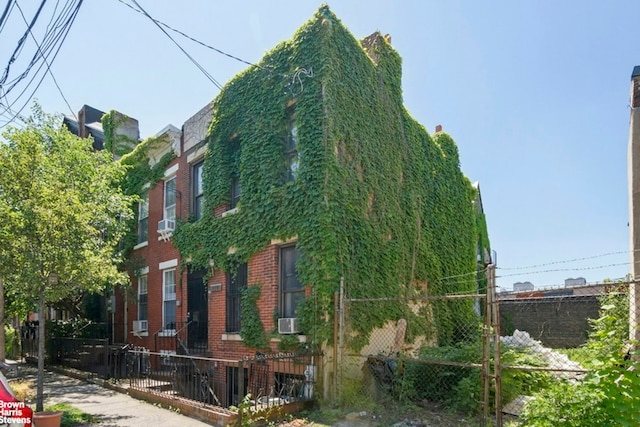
[[40, 381], [2, 335]]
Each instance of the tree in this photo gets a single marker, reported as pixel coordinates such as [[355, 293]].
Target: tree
[[63, 216]]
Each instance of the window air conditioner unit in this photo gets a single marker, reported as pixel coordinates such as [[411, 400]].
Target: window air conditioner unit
[[166, 225], [140, 326], [288, 325]]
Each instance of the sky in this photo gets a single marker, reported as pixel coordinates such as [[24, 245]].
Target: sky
[[535, 94]]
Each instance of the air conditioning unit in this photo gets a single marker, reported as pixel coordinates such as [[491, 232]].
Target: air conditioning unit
[[140, 326], [288, 325], [166, 225]]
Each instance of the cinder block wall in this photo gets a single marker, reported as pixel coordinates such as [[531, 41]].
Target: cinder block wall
[[558, 322]]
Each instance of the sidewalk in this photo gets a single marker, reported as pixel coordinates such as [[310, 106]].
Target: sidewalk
[[113, 409]]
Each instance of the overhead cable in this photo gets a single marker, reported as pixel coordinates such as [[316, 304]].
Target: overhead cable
[[200, 67]]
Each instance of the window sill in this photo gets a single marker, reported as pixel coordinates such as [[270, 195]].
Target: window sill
[[167, 333], [301, 338], [229, 212], [231, 337], [141, 245], [140, 333]]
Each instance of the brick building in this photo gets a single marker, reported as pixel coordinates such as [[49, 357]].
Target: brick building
[[271, 189]]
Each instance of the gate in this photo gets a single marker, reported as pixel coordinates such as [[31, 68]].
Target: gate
[[451, 365]]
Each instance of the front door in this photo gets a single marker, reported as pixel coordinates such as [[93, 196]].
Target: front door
[[197, 306]]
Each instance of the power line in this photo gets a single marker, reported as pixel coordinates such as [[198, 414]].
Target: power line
[[563, 269], [61, 35], [200, 67], [564, 261], [196, 40], [47, 63], [14, 55], [5, 13]]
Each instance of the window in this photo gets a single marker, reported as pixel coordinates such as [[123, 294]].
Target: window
[[196, 190], [235, 191], [170, 198], [291, 146], [169, 299], [236, 280], [234, 152], [143, 219], [291, 290], [143, 313]]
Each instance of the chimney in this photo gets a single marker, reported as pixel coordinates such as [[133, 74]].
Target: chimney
[[438, 128]]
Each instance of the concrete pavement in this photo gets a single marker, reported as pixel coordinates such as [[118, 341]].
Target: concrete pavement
[[110, 407]]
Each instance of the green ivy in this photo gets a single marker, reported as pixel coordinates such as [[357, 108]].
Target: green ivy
[[251, 327], [115, 143], [376, 200], [140, 174]]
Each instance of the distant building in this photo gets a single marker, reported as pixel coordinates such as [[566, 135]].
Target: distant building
[[89, 124], [522, 286], [578, 281]]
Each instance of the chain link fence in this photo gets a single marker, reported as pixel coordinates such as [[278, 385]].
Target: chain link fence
[[442, 367], [483, 355]]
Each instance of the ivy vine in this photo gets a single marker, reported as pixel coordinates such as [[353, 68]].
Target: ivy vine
[[376, 199], [140, 174]]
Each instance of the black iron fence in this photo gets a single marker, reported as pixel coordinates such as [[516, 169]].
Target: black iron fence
[[261, 381]]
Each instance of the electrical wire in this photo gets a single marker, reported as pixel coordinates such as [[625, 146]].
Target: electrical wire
[[196, 40], [565, 269], [66, 27], [564, 261], [16, 51], [5, 13], [47, 64], [200, 67]]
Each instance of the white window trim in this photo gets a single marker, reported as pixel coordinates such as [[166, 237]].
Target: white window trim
[[168, 332], [146, 275], [141, 245], [172, 171], [229, 212], [197, 155], [165, 265], [164, 198]]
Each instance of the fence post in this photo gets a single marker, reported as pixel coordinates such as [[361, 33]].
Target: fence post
[[241, 390], [336, 313], [495, 324], [486, 348], [341, 337]]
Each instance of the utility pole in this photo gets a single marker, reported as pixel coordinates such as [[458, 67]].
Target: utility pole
[[633, 173]]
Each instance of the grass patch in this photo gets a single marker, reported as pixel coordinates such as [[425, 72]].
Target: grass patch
[[71, 416], [23, 389]]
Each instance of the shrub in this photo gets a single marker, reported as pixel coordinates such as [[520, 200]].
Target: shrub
[[610, 394]]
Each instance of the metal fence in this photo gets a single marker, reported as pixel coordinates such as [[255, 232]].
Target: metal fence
[[428, 368], [261, 381], [485, 364]]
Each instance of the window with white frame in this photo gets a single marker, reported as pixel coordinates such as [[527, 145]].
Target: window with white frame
[[197, 189], [143, 219], [170, 198], [169, 300], [143, 292], [291, 145]]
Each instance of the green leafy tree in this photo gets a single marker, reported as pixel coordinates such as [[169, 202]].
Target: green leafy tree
[[63, 216]]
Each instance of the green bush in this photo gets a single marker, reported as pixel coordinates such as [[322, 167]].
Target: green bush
[[459, 386], [610, 394]]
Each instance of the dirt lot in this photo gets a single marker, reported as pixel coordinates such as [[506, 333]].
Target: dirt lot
[[425, 415]]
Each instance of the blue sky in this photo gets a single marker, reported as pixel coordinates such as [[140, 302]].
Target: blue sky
[[536, 95]]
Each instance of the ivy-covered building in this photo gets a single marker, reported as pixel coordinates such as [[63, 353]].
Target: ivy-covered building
[[311, 172]]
